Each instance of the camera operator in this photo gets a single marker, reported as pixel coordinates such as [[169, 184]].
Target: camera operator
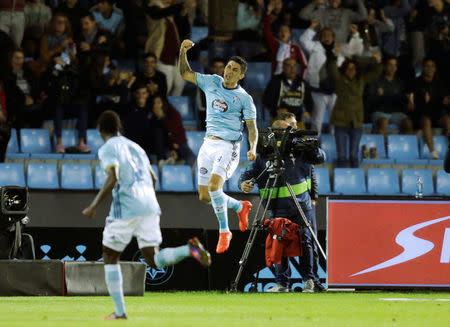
[[297, 172]]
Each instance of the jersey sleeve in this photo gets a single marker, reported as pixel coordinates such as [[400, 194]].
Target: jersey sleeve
[[203, 80], [108, 157], [249, 109]]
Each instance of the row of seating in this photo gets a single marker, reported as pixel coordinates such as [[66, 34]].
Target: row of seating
[[382, 181]]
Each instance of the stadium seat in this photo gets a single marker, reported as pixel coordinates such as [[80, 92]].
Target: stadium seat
[[158, 177], [42, 176], [15, 156], [12, 174], [182, 104], [195, 140], [403, 147], [257, 76], [440, 145], [442, 182], [371, 141], [349, 181], [328, 144], [177, 178], [35, 141], [76, 176], [46, 156], [382, 181], [409, 180], [80, 156], [13, 145], [323, 179], [69, 137], [94, 140], [198, 33], [99, 177]]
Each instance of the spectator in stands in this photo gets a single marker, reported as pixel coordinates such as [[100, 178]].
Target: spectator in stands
[[165, 39], [439, 49], [429, 104], [109, 17], [348, 112], [12, 19], [74, 13], [154, 79], [285, 92], [335, 17], [37, 17], [56, 40], [394, 43], [30, 114], [173, 124], [385, 100], [91, 39], [247, 36], [281, 48]]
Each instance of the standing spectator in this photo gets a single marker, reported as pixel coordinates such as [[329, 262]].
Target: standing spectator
[[109, 17], [385, 100], [335, 17], [282, 48], [165, 39], [429, 104], [247, 37], [72, 10], [285, 92], [394, 43], [155, 80], [37, 17], [348, 112], [12, 19], [173, 124]]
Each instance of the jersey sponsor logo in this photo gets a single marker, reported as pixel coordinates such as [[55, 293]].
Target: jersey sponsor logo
[[154, 276], [220, 105], [203, 171]]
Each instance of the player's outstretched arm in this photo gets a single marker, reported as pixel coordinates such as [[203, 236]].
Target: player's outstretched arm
[[252, 139], [106, 189], [183, 65]]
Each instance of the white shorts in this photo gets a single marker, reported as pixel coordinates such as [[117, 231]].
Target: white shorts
[[118, 232], [217, 157]]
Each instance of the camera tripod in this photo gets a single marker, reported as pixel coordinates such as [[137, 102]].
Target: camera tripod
[[276, 170]]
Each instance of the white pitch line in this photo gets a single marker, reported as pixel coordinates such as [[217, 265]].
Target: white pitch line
[[412, 300]]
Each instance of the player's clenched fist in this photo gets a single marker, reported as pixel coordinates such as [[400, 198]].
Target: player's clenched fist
[[186, 45], [251, 155]]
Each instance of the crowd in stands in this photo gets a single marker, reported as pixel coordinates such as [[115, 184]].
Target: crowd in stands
[[382, 62]]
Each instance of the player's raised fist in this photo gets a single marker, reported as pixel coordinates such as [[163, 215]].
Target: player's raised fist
[[251, 155], [186, 45]]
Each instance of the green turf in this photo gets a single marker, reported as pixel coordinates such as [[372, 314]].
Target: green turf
[[220, 309]]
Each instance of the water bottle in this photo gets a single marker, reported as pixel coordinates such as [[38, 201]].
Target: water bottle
[[419, 187]]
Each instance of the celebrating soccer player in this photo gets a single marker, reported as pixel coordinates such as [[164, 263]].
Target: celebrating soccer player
[[227, 106], [134, 210]]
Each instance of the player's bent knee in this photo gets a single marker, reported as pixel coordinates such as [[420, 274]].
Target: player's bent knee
[[110, 257]]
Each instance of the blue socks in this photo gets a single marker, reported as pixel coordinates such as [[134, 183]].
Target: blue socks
[[221, 202], [171, 256], [113, 278]]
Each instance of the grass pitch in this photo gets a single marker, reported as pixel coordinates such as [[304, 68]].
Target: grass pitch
[[220, 309]]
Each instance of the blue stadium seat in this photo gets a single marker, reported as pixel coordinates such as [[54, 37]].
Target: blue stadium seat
[[328, 144], [158, 177], [195, 140], [323, 179], [442, 182], [47, 156], [198, 33], [232, 183], [181, 103], [13, 145], [69, 137], [35, 141], [382, 181], [257, 76], [177, 178], [13, 155], [80, 156], [244, 149], [349, 181], [373, 140], [401, 147], [99, 177], [12, 174], [409, 180], [440, 145], [94, 140], [42, 176], [76, 177]]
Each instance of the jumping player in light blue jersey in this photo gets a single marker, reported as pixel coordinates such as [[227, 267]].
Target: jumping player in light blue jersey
[[134, 210], [227, 107]]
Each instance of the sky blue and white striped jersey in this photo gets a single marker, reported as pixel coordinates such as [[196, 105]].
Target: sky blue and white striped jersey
[[226, 109], [134, 194]]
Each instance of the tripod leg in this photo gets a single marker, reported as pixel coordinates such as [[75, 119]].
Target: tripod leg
[[302, 214]]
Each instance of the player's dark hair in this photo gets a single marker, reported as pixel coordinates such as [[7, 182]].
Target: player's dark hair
[[109, 122], [241, 61], [88, 15]]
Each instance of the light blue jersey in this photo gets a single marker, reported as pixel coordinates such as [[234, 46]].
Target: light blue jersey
[[134, 194], [226, 109]]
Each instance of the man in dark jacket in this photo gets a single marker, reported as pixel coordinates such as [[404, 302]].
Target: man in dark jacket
[[297, 173]]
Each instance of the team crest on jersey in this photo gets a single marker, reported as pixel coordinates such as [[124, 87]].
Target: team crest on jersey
[[203, 171], [220, 105]]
